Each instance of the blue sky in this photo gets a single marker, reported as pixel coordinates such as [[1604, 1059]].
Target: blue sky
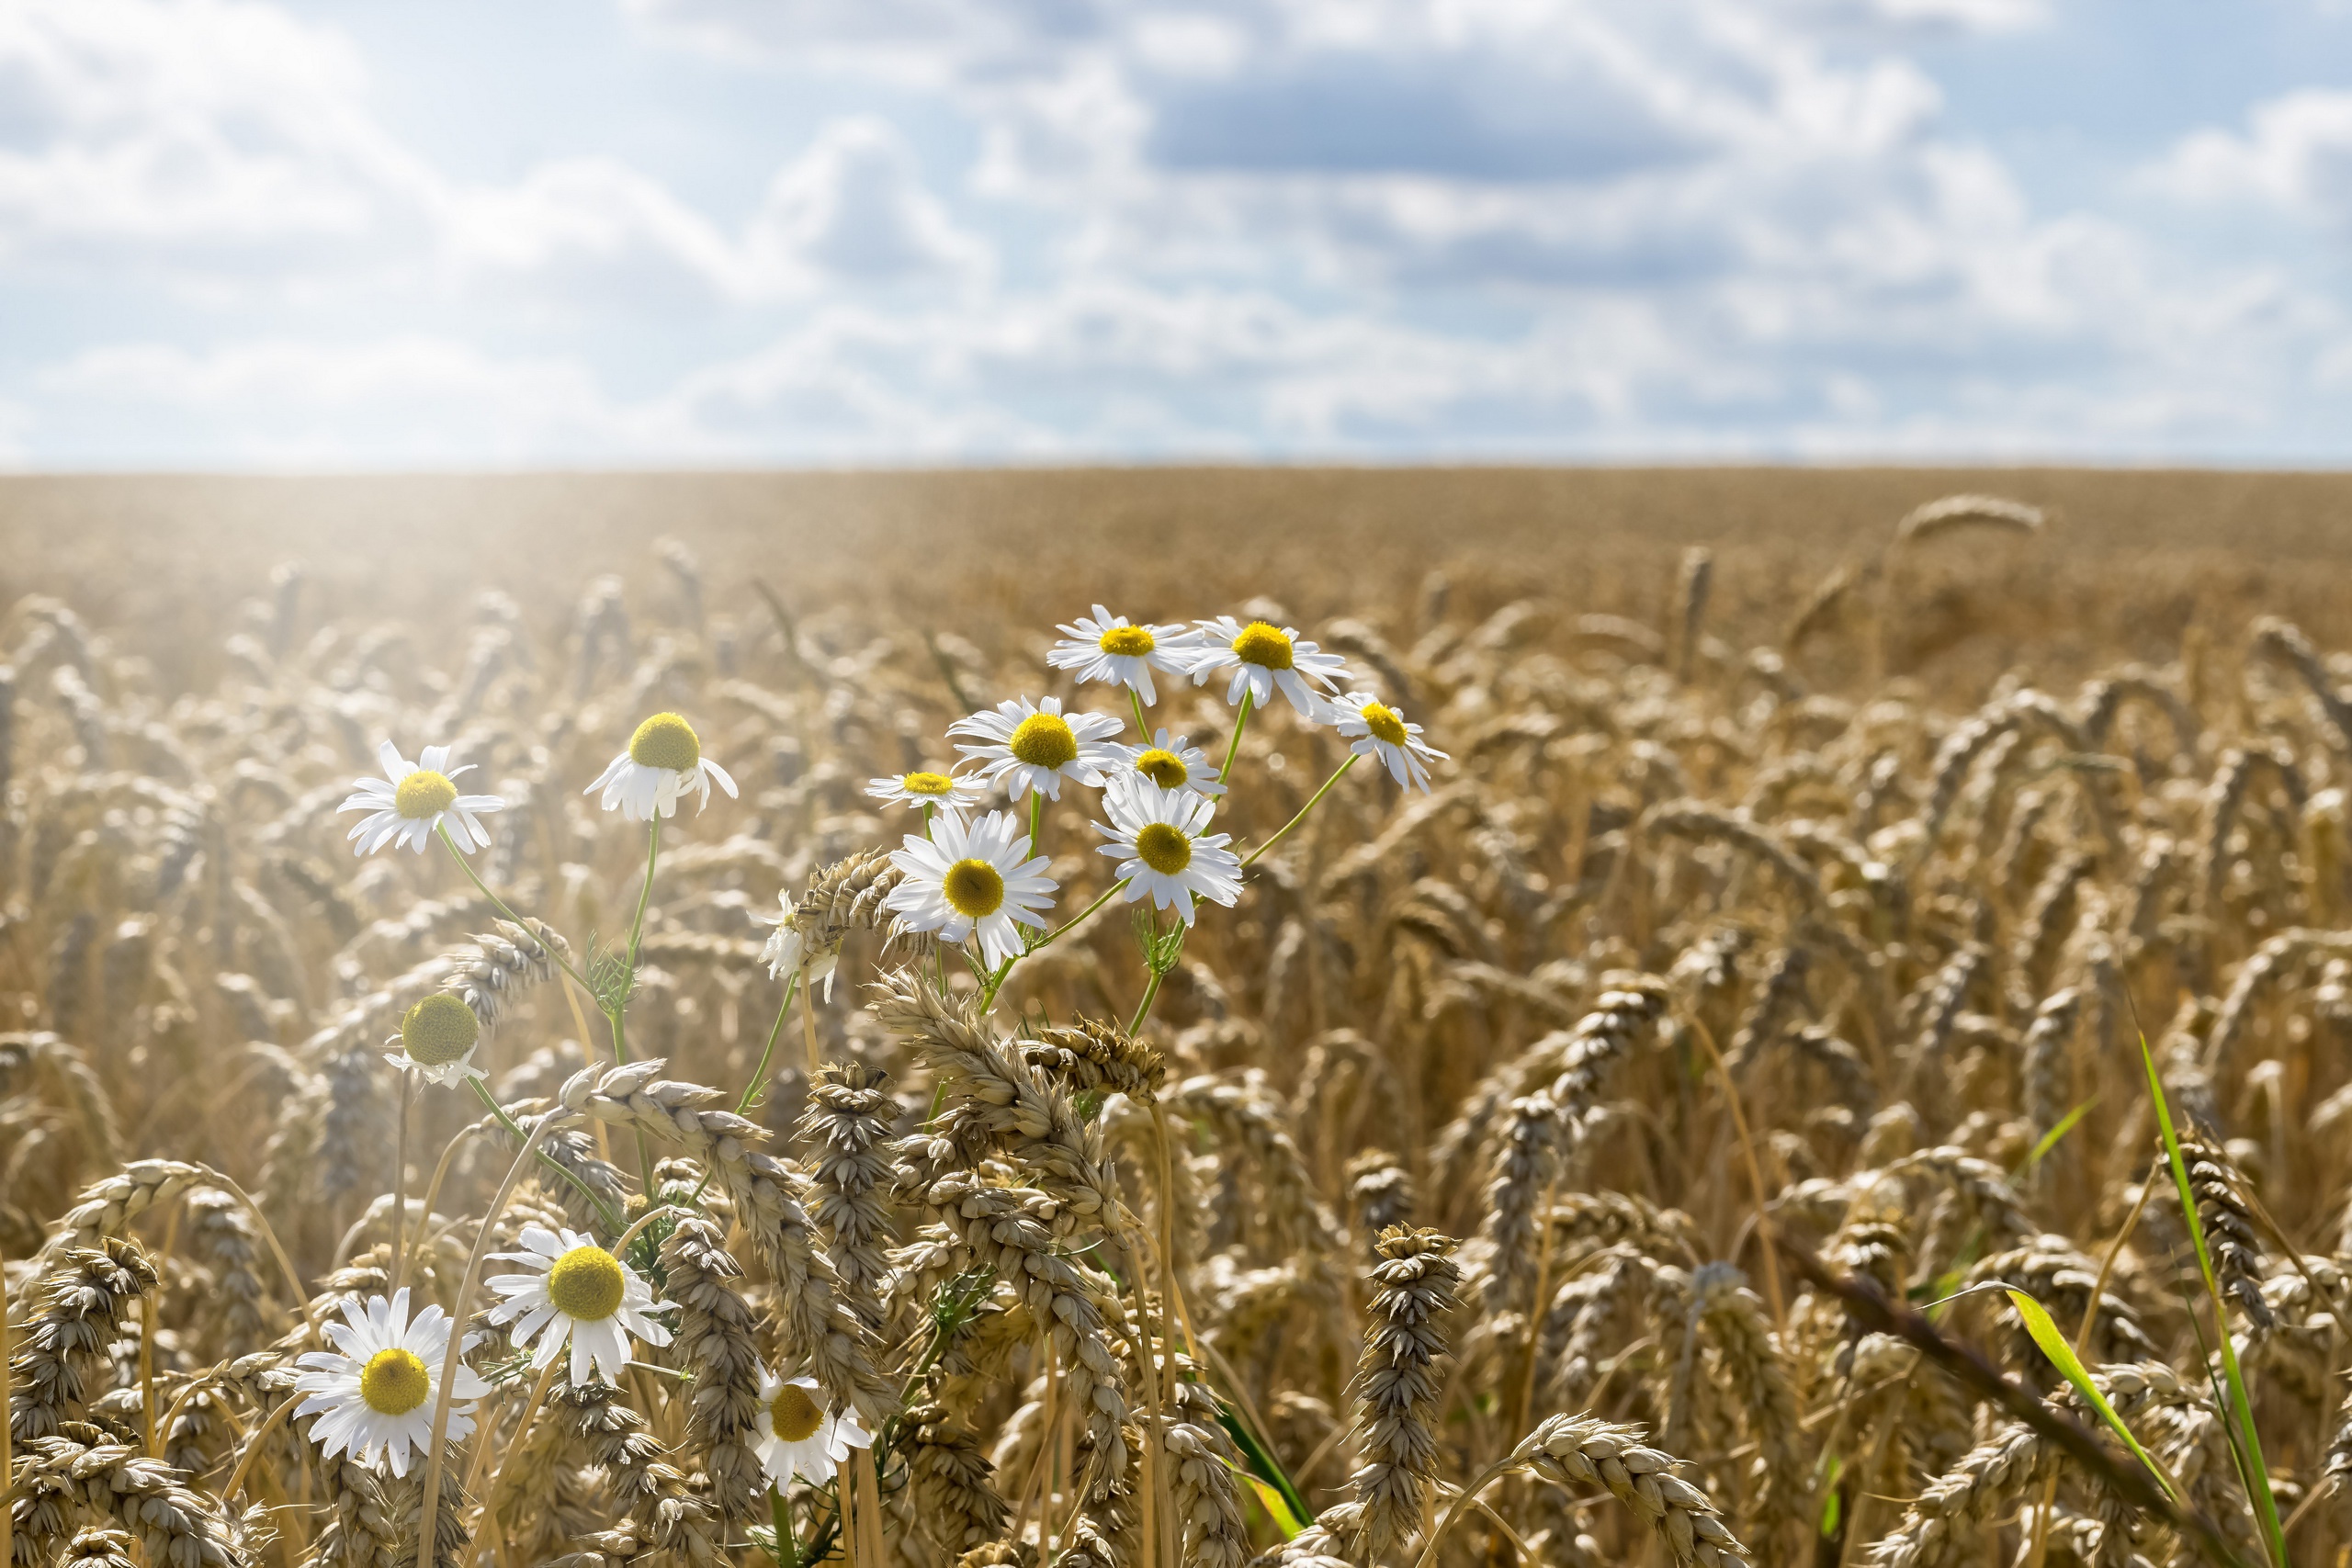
[[455, 233]]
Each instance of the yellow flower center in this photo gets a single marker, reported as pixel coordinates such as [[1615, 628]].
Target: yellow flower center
[[439, 1030], [1261, 644], [1384, 723], [1163, 848], [927, 784], [1043, 740], [665, 740], [1128, 640], [421, 793], [974, 888], [394, 1381], [585, 1284], [795, 1414], [1163, 768]]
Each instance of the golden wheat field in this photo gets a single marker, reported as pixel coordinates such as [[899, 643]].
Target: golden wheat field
[[1449, 1018]]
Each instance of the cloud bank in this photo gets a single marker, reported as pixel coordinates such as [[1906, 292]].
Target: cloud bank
[[237, 232]]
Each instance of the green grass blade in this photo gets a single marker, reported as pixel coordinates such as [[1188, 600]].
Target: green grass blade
[[1264, 1466], [2061, 1356], [1277, 1506], [2265, 1507], [2050, 1139]]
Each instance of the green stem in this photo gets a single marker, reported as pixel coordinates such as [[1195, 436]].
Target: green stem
[[1036, 818], [1143, 1008], [1233, 747], [788, 1551], [614, 1014], [759, 1074], [1311, 802], [612, 1222], [988, 996], [767, 1052], [1064, 929], [645, 894], [1143, 725], [996, 981], [820, 1542], [500, 905]]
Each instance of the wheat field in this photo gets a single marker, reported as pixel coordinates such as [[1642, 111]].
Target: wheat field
[[1845, 1059]]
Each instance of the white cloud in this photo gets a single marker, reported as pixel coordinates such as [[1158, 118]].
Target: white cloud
[[376, 400], [854, 208], [207, 134], [2296, 153], [1579, 226], [223, 147]]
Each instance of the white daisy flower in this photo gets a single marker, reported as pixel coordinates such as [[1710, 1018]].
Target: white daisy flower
[[1265, 659], [1031, 746], [919, 789], [663, 761], [795, 1437], [1155, 835], [1106, 648], [1379, 730], [976, 880], [576, 1290], [413, 799], [1171, 762], [787, 949], [436, 1040], [374, 1392]]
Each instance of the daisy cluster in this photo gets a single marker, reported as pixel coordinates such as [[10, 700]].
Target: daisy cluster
[[374, 1395], [417, 802], [392, 1384], [973, 876]]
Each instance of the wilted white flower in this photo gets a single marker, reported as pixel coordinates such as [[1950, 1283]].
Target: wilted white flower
[[795, 1437], [437, 1041], [663, 761], [787, 948]]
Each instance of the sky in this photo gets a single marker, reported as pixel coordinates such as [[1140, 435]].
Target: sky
[[304, 235]]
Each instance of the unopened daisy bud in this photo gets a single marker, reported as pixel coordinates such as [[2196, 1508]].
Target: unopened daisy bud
[[1107, 647], [437, 1039], [662, 763], [1263, 659], [1378, 730], [1027, 746], [414, 800]]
